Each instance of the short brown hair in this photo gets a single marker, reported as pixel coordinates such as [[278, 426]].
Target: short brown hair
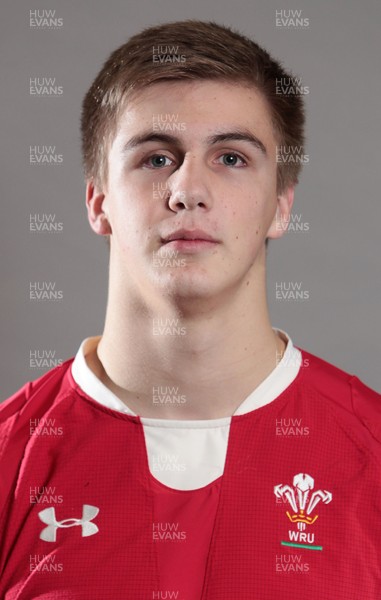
[[197, 50]]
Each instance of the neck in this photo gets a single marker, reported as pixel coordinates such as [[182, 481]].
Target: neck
[[212, 355]]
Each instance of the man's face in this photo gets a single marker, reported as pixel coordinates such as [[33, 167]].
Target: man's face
[[191, 156]]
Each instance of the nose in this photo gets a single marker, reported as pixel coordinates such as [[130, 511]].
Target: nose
[[188, 186]]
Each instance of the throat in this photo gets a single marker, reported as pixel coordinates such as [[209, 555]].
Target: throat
[[203, 393]]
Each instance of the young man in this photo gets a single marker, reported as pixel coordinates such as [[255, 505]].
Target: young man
[[190, 451]]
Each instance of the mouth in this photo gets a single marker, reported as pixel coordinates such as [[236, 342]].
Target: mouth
[[195, 235], [189, 241]]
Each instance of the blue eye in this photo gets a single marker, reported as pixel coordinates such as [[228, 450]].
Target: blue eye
[[157, 161], [230, 159]]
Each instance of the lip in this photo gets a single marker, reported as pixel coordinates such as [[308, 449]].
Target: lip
[[189, 235], [189, 246]]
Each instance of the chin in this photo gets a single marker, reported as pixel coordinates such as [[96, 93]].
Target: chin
[[185, 283]]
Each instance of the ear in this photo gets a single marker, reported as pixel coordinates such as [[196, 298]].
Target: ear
[[282, 216], [95, 204]]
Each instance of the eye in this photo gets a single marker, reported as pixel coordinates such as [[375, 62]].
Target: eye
[[231, 159], [157, 161]]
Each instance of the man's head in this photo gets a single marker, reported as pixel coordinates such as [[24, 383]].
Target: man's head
[[180, 133], [186, 51]]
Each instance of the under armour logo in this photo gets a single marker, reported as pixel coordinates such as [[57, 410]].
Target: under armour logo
[[48, 516]]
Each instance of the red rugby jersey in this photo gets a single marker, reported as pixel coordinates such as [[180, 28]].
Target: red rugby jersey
[[297, 513]]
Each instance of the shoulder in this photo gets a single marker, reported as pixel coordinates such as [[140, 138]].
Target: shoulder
[[36, 392], [29, 403], [344, 390], [17, 414]]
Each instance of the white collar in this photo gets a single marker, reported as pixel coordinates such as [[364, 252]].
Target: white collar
[[275, 383]]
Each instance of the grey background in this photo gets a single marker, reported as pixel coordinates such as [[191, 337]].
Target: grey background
[[337, 260]]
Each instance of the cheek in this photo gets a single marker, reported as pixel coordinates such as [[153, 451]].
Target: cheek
[[123, 216], [253, 228], [250, 221], [132, 217]]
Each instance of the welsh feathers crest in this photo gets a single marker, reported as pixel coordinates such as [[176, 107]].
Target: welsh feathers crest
[[302, 499]]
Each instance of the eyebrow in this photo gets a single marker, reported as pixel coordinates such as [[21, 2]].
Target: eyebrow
[[239, 136], [228, 136], [144, 138]]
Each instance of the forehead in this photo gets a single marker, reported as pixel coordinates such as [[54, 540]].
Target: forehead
[[196, 109]]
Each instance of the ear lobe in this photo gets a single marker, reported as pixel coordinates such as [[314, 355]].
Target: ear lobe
[[282, 216], [95, 204]]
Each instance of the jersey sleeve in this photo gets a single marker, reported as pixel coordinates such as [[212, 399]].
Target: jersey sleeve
[[13, 438], [367, 406], [17, 414]]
